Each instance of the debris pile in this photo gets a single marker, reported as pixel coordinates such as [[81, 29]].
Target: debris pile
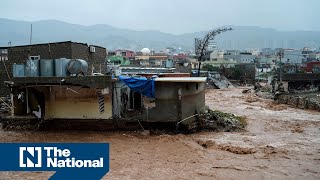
[[220, 121], [219, 83], [4, 108], [4, 105], [300, 101], [245, 91], [263, 91], [20, 125]]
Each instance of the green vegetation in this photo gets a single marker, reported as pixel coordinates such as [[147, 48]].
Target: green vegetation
[[238, 71], [220, 121], [208, 67], [264, 75], [119, 60]]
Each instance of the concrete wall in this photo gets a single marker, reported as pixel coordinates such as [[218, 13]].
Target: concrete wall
[[301, 77], [66, 104], [63, 102], [168, 107], [302, 101]]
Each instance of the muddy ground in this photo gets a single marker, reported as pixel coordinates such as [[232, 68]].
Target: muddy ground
[[280, 143]]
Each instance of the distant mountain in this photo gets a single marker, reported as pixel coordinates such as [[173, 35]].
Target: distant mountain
[[243, 37]]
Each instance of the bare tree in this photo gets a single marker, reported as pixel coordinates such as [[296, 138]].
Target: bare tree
[[202, 45]]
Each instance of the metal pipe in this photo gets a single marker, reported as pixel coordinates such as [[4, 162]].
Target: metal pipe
[[5, 67], [12, 103], [177, 125], [27, 100], [5, 103], [199, 68]]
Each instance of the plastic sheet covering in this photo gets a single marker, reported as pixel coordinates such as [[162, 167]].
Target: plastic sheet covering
[[141, 85]]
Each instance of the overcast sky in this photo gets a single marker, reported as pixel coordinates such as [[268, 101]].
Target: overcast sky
[[173, 16]]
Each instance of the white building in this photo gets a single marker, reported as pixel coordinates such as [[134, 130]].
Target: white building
[[292, 56], [245, 58], [216, 55]]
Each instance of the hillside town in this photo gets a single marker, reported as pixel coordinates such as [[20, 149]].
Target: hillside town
[[260, 64], [76, 86], [172, 97]]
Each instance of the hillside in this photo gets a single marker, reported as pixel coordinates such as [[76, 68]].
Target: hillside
[[18, 32]]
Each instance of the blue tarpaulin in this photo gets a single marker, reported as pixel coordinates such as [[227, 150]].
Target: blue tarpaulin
[[141, 85]]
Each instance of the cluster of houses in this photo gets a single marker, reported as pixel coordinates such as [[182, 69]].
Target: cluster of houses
[[123, 86], [146, 94], [150, 58], [305, 59], [259, 64]]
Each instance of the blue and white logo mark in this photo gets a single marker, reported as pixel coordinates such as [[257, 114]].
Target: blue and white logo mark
[[34, 153], [69, 160]]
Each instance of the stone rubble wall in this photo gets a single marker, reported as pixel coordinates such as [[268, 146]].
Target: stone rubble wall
[[300, 101]]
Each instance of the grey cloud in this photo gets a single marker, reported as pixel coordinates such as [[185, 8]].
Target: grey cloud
[[174, 16]]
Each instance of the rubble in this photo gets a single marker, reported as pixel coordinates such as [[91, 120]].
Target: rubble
[[21, 125], [264, 94], [246, 91], [218, 82], [302, 101], [4, 108], [299, 100], [222, 122], [4, 104]]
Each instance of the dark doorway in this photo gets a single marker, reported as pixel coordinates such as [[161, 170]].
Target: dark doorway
[[137, 101]]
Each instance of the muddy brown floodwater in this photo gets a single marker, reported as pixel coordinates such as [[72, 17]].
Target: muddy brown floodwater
[[280, 143]]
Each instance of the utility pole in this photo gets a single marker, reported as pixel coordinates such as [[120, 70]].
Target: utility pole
[[31, 35], [258, 65], [280, 66]]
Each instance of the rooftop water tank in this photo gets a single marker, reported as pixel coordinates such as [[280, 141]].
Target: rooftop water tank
[[32, 68], [46, 68], [76, 66], [18, 70], [61, 67]]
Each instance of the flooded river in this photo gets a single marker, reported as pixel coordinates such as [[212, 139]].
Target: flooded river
[[280, 143]]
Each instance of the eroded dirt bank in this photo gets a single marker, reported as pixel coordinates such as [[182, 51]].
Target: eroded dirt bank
[[280, 143]]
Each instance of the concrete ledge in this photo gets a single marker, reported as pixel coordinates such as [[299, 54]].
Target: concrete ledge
[[301, 77], [87, 81]]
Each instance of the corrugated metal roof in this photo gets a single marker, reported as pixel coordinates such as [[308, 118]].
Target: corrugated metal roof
[[181, 79]]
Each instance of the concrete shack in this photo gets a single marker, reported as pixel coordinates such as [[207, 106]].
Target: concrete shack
[[67, 98], [176, 98], [308, 82]]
